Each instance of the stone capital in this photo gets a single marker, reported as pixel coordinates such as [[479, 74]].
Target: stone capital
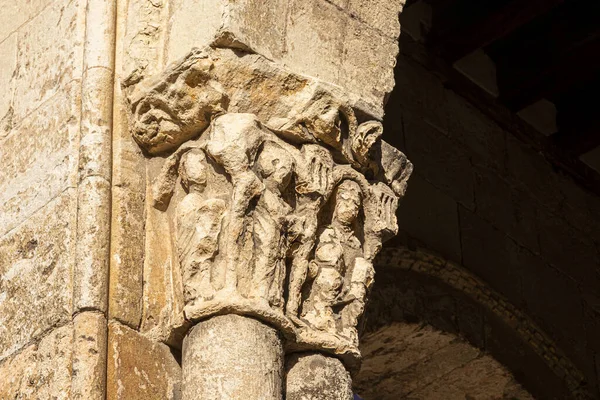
[[279, 195]]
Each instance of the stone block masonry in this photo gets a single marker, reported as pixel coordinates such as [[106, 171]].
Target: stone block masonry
[[76, 189]]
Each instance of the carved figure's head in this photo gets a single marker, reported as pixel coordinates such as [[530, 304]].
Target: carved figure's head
[[192, 170], [315, 115], [275, 164], [177, 106], [327, 120], [348, 199]]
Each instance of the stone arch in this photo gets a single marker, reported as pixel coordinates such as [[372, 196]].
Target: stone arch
[[419, 287], [417, 361]]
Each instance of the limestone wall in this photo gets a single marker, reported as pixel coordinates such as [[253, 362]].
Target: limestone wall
[[40, 103], [482, 199], [56, 80]]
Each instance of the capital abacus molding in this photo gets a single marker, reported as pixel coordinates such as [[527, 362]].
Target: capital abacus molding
[[279, 197]]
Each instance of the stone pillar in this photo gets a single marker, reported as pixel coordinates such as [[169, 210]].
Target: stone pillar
[[232, 357], [315, 376], [278, 203]]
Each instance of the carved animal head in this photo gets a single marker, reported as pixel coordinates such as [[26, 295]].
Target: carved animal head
[[177, 106]]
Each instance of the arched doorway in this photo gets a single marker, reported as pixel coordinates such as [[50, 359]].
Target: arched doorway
[[434, 330], [417, 361]]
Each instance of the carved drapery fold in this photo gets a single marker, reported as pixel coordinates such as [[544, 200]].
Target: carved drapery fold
[[285, 196]]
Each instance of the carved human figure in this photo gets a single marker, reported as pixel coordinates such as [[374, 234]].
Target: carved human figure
[[198, 225], [336, 251], [361, 281], [314, 185], [274, 166], [234, 141]]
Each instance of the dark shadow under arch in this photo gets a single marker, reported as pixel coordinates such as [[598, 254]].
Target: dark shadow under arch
[[419, 362], [420, 287]]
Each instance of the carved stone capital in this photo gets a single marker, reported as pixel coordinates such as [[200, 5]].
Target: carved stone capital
[[280, 197]]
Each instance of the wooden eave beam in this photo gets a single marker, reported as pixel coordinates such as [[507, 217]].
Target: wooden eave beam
[[506, 119], [452, 46], [522, 87], [578, 141]]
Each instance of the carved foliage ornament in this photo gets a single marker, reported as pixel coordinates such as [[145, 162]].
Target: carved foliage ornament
[[285, 201]]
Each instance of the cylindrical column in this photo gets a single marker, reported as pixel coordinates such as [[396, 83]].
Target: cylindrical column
[[232, 357], [315, 376]]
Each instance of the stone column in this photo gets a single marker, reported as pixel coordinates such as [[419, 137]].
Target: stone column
[[278, 203], [315, 376], [232, 357]]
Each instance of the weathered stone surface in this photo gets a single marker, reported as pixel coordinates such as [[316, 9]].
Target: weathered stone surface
[[491, 255], [143, 38], [90, 289], [186, 18], [379, 14], [435, 365], [44, 68], [315, 39], [380, 376], [162, 299], [92, 255], [127, 255], [96, 123], [483, 378], [89, 356], [39, 159], [247, 21], [314, 376], [571, 252], [8, 49], [176, 107], [510, 209], [239, 23], [14, 15], [311, 37], [40, 371], [140, 49], [368, 63], [36, 260], [232, 357], [444, 163], [268, 207], [469, 126], [430, 217], [138, 368]]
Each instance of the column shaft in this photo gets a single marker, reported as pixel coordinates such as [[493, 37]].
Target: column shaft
[[315, 376], [232, 357]]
